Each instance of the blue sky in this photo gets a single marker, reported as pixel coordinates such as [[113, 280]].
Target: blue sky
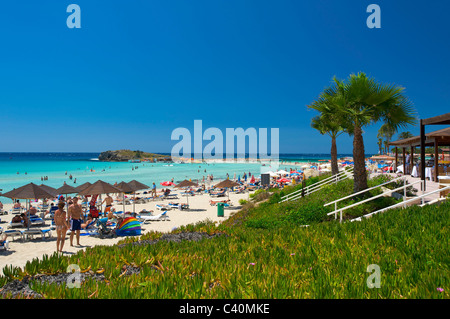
[[137, 70]]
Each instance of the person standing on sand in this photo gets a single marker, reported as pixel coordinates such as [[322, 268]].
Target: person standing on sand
[[75, 214], [154, 189], [61, 226], [109, 201]]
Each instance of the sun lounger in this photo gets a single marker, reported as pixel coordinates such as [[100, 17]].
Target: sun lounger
[[32, 232], [218, 194], [163, 216], [16, 210], [14, 233], [146, 213], [15, 225], [36, 221], [3, 212], [4, 245], [163, 207], [177, 206], [215, 202]]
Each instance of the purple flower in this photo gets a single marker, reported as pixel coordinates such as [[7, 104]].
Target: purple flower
[[252, 264], [440, 289]]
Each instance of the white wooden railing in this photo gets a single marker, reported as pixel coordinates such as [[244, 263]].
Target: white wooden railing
[[344, 174], [340, 210], [404, 203]]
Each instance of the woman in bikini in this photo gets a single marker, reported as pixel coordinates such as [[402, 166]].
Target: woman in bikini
[[61, 226]]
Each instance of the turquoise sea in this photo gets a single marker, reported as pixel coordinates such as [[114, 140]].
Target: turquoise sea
[[18, 169]]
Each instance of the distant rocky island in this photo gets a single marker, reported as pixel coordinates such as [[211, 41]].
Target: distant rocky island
[[128, 155]]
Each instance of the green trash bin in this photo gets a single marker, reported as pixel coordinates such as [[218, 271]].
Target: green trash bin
[[220, 207]]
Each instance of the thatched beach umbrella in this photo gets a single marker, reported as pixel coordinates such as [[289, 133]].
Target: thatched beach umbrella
[[82, 187], [99, 188], [28, 192], [50, 189], [136, 186], [186, 183], [67, 189], [227, 184]]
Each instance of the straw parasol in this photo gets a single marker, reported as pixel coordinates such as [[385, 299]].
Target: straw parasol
[[82, 187], [227, 184], [98, 188], [186, 183], [136, 186], [67, 189], [29, 191], [50, 189]]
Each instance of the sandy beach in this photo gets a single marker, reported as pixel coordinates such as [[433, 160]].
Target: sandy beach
[[20, 251]]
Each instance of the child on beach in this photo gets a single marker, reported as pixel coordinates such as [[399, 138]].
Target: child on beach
[[61, 226]]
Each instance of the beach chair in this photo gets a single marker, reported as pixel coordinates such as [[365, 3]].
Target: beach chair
[[218, 194], [3, 212], [163, 216], [145, 212], [15, 233], [163, 207], [4, 245], [33, 232], [15, 225], [16, 210], [226, 202], [178, 206], [36, 221]]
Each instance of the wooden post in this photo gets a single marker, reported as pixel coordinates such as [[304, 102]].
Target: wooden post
[[411, 160], [404, 161], [396, 158], [436, 159], [422, 154]]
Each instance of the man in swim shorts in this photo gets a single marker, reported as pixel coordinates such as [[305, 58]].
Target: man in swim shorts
[[109, 201], [75, 217]]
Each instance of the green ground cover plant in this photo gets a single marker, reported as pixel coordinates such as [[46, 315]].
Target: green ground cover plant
[[262, 251]]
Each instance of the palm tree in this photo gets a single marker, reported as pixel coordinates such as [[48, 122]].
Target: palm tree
[[380, 145], [365, 102], [328, 123], [386, 132], [324, 126], [404, 135]]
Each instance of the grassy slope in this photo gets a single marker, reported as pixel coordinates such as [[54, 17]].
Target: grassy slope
[[277, 258]]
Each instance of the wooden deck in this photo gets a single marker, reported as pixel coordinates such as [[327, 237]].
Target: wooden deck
[[430, 186]]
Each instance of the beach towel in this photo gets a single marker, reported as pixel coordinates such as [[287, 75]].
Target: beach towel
[[130, 226], [93, 200]]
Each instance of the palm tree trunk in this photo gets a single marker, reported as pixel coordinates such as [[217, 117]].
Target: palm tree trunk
[[334, 163], [359, 172]]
